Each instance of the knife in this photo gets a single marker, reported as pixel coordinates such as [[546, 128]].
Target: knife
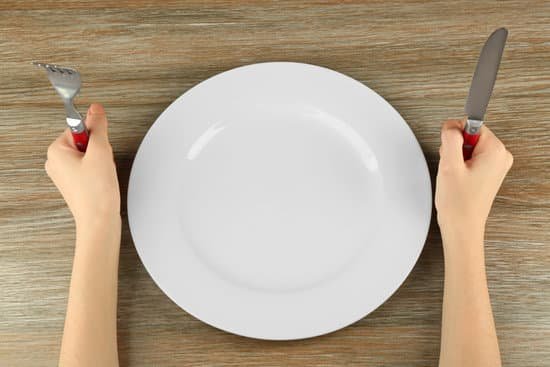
[[481, 88]]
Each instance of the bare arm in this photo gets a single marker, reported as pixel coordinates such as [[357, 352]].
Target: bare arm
[[89, 185], [468, 330], [464, 195]]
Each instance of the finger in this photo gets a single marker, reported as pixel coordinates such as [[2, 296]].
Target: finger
[[64, 142], [67, 139], [486, 139], [491, 147], [487, 145], [451, 143], [63, 149], [96, 122]]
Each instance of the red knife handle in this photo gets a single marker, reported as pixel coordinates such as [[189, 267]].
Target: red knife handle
[[471, 136], [81, 139], [470, 142]]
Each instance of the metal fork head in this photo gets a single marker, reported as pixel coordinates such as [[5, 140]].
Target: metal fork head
[[66, 81]]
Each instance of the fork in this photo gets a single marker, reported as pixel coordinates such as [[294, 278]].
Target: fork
[[66, 81]]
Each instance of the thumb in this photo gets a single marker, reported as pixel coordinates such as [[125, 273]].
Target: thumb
[[96, 122], [451, 143]]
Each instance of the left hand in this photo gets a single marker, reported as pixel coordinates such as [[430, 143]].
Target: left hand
[[88, 181]]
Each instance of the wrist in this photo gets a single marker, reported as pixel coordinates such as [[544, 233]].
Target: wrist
[[462, 226], [107, 226], [466, 258], [463, 244], [95, 215]]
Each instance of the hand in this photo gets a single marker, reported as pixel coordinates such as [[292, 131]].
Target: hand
[[87, 181], [465, 190]]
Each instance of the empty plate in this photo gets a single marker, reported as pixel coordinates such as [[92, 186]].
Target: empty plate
[[279, 201]]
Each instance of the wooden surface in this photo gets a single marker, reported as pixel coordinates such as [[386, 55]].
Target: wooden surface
[[137, 56]]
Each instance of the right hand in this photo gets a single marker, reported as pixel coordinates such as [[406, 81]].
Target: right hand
[[465, 190]]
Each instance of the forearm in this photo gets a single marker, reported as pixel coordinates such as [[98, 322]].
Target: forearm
[[468, 336], [89, 338]]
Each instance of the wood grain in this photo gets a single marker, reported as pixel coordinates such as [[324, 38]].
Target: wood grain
[[137, 56]]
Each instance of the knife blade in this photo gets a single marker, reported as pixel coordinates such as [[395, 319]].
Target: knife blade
[[481, 88]]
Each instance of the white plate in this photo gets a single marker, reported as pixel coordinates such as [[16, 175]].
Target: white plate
[[279, 201]]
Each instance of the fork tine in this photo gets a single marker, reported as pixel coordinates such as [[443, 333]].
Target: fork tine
[[39, 64], [67, 70], [55, 68], [45, 66]]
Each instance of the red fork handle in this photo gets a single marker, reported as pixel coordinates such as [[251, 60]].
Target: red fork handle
[[81, 139], [470, 142]]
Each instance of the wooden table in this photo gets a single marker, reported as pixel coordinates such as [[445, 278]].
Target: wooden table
[[137, 57]]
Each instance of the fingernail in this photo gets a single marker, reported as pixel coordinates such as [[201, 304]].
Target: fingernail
[[96, 109]]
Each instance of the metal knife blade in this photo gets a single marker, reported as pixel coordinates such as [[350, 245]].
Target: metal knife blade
[[485, 75]]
